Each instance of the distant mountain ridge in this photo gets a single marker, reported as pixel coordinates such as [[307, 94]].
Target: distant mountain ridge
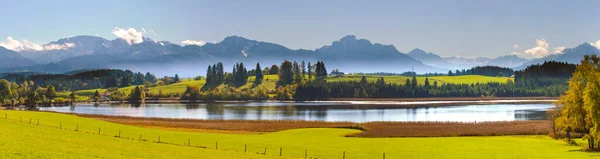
[[349, 54], [569, 55], [435, 60]]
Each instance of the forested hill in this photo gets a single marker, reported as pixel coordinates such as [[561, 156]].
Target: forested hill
[[84, 79]]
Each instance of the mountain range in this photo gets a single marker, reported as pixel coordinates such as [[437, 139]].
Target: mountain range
[[348, 54], [455, 62]]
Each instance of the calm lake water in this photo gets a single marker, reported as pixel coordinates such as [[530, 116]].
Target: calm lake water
[[319, 111]]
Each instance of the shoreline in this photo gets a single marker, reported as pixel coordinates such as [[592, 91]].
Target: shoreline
[[384, 129], [428, 99]]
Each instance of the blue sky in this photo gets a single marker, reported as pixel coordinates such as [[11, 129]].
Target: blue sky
[[463, 28]]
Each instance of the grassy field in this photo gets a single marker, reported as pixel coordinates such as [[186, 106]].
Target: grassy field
[[270, 81], [31, 141], [466, 79]]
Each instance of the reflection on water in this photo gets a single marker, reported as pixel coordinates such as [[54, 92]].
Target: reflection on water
[[321, 111]]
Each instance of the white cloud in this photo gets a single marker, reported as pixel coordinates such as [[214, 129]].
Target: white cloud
[[515, 46], [559, 50], [25, 45], [540, 50], [515, 53], [193, 42], [130, 35], [596, 44]]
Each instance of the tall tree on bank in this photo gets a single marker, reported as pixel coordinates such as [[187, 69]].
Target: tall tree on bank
[[176, 78], [286, 74], [239, 75], [579, 108], [310, 71], [297, 72], [258, 75], [320, 70], [303, 65], [214, 76], [426, 84]]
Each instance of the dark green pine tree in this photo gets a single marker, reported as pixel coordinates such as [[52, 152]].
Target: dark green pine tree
[[310, 71], [414, 83], [176, 78], [126, 81], [209, 76], [407, 84], [258, 75], [427, 85]]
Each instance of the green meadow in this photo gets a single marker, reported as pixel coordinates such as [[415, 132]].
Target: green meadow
[[270, 81], [69, 136], [465, 79]]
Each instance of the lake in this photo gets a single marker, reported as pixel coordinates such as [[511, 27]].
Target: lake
[[355, 111]]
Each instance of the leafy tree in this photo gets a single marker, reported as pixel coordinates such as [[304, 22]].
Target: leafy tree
[[450, 73], [579, 107], [150, 77], [96, 96], [50, 92], [5, 90], [274, 70], [285, 74], [137, 94], [72, 96]]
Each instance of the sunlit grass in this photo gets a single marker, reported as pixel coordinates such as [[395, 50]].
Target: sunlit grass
[[28, 140]]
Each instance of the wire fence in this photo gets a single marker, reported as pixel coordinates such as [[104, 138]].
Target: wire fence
[[158, 140]]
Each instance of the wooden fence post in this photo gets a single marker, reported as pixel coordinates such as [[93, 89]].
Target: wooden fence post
[[60, 125], [38, 121], [344, 156], [305, 153], [21, 119], [29, 120], [158, 138], [265, 153], [245, 148], [280, 151], [216, 145], [189, 142], [98, 131], [384, 155], [77, 127], [140, 137], [119, 134]]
